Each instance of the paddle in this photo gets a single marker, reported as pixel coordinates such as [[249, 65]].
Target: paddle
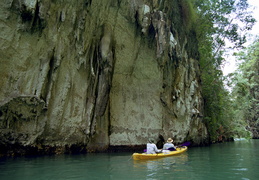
[[185, 144]]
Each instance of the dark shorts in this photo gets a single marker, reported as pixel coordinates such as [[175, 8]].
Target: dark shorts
[[172, 149]]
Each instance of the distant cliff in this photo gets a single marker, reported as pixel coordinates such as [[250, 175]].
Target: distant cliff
[[89, 74]]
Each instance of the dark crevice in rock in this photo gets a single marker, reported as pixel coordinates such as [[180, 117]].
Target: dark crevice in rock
[[26, 14], [88, 3], [151, 35], [92, 89], [30, 16], [49, 78]]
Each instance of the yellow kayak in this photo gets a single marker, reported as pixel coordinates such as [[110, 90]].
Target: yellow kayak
[[143, 156]]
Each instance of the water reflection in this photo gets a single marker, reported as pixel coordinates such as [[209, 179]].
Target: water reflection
[[162, 167]]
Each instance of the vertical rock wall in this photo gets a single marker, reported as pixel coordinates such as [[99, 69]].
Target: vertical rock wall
[[92, 74]]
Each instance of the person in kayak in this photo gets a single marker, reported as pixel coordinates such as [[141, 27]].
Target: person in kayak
[[151, 147], [169, 145]]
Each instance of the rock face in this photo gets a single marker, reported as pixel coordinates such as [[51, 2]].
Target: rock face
[[95, 74]]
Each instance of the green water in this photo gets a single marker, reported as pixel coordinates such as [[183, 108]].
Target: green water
[[233, 160]]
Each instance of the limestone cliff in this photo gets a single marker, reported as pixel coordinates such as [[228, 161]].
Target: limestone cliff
[[97, 73]]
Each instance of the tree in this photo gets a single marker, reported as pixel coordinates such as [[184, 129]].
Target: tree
[[245, 85], [219, 21]]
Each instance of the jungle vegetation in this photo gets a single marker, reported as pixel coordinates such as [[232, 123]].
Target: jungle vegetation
[[221, 26]]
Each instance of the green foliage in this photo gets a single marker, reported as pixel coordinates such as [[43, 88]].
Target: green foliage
[[245, 86], [219, 21], [216, 22], [188, 13]]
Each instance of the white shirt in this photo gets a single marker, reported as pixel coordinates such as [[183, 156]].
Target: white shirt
[[152, 149], [168, 145]]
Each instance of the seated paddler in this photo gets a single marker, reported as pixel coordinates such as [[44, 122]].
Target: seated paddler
[[152, 148], [169, 145]]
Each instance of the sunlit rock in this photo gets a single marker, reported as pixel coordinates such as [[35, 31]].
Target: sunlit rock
[[94, 76]]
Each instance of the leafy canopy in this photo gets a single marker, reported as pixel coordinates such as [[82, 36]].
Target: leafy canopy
[[218, 22], [245, 85]]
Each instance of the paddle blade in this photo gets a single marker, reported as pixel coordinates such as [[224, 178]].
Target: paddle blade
[[186, 144]]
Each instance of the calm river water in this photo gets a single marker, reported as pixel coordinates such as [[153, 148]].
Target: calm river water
[[232, 160]]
